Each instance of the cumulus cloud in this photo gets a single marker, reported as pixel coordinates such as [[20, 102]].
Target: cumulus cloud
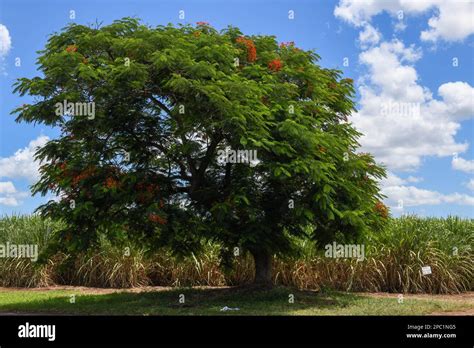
[[454, 22], [470, 184], [400, 120], [369, 36], [9, 201], [451, 20], [414, 179], [5, 46], [5, 41], [400, 195], [7, 187], [463, 165], [458, 101], [22, 163], [9, 195]]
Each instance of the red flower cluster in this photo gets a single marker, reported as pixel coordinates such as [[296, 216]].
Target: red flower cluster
[[63, 166], [150, 188], [71, 48], [275, 65], [381, 209], [63, 171], [251, 49], [202, 23], [157, 219], [111, 183], [83, 175], [146, 192]]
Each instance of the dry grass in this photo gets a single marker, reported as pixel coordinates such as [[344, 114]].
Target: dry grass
[[393, 262]]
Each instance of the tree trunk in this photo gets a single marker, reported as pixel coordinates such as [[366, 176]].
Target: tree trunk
[[263, 268]]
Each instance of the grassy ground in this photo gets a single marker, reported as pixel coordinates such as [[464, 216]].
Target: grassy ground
[[209, 301]]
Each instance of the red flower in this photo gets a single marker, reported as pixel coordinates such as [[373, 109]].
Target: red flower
[[275, 65], [251, 53], [381, 209], [157, 219], [111, 183], [202, 23], [83, 175], [71, 48], [251, 49]]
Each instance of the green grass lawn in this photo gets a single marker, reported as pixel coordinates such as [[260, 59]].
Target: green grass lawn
[[210, 301]]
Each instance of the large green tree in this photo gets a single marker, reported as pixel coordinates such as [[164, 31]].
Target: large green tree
[[142, 159]]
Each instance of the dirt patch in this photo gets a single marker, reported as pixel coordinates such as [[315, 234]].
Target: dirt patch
[[104, 291], [465, 297], [469, 312]]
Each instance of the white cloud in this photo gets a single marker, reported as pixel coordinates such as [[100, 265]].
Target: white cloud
[[452, 20], [400, 120], [470, 185], [409, 196], [9, 195], [369, 36], [5, 41], [5, 46], [22, 163], [414, 179], [9, 201], [7, 187], [463, 165], [356, 11], [400, 26], [458, 100]]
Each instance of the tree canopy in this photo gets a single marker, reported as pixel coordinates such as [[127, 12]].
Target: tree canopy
[[152, 110]]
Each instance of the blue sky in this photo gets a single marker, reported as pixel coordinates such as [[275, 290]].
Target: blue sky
[[400, 54]]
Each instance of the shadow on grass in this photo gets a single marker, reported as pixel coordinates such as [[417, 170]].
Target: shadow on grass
[[276, 301]]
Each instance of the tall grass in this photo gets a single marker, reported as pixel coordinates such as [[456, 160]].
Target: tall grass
[[393, 261]]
